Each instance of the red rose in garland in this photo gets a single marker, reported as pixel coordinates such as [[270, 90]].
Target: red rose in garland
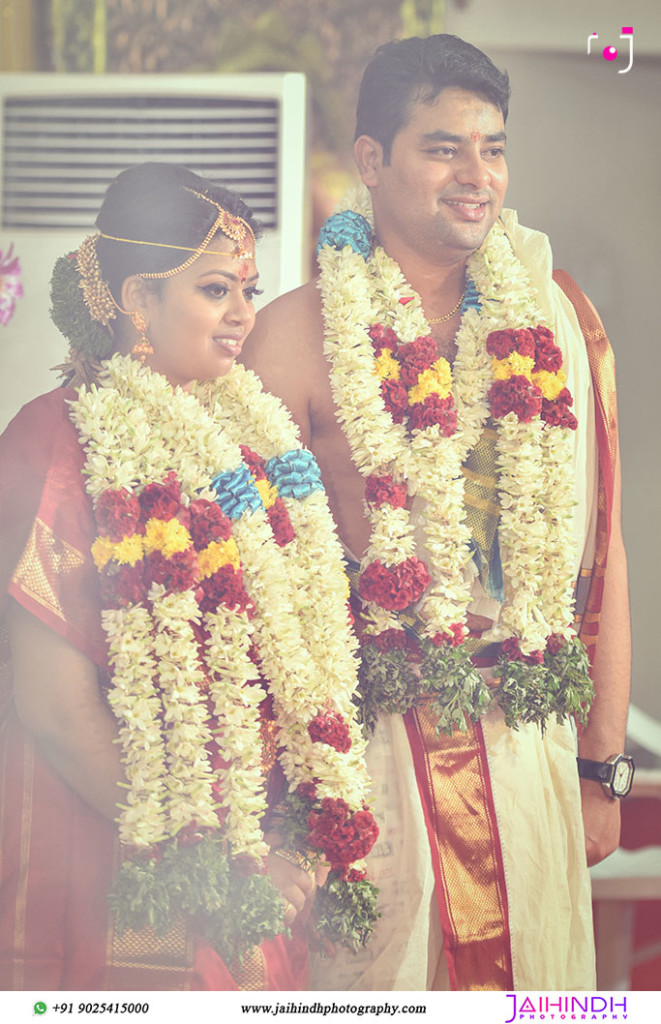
[[516, 395], [307, 790], [501, 344], [117, 514], [512, 651], [394, 587], [124, 586], [396, 399], [434, 410], [343, 836], [224, 587], [454, 638], [380, 490], [161, 501], [555, 643], [253, 461], [558, 413], [207, 523], [392, 640], [175, 573], [415, 358], [278, 517], [548, 356], [330, 727], [383, 337]]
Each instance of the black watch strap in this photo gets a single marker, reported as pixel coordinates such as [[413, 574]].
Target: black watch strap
[[596, 771], [615, 775]]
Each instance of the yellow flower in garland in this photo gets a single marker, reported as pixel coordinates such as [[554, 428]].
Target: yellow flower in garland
[[217, 554], [126, 551], [437, 380], [103, 549], [550, 384], [167, 537], [267, 493], [129, 550], [386, 366], [515, 365]]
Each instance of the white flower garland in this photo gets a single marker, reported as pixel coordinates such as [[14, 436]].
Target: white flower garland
[[136, 428], [535, 486]]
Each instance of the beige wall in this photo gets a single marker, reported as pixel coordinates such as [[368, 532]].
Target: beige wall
[[554, 24], [584, 152], [16, 35]]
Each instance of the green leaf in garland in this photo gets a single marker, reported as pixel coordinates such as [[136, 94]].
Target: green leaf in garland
[[458, 691], [346, 911], [235, 910], [387, 682], [572, 689]]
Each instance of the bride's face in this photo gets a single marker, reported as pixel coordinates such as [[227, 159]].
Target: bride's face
[[200, 318]]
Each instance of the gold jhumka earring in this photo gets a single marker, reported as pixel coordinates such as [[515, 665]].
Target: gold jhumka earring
[[143, 347]]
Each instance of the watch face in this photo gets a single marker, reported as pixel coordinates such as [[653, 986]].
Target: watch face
[[622, 778]]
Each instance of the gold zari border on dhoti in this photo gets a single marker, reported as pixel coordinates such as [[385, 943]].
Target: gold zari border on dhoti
[[453, 778]]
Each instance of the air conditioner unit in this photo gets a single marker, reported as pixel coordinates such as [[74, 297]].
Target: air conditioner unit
[[64, 138]]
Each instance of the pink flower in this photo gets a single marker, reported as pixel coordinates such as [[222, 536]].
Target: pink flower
[[11, 288]]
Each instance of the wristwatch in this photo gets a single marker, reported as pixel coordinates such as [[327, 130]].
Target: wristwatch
[[615, 774]]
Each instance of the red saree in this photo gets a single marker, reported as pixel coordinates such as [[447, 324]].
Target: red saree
[[57, 855]]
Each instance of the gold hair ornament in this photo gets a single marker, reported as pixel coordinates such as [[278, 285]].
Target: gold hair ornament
[[232, 226], [96, 293]]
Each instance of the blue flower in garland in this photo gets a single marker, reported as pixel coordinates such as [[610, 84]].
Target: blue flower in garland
[[471, 299], [295, 474], [347, 228], [235, 492]]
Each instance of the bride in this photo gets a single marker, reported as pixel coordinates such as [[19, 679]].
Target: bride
[[180, 768]]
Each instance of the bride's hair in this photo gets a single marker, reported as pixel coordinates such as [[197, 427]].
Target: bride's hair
[[155, 203]]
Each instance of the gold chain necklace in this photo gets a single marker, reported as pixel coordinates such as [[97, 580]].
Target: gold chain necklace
[[448, 316]]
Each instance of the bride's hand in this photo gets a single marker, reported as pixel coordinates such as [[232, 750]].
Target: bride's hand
[[296, 885]]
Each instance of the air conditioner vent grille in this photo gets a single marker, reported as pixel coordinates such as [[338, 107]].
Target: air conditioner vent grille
[[59, 154]]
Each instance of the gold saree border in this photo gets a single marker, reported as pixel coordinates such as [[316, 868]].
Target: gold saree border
[[602, 370], [145, 960], [453, 778]]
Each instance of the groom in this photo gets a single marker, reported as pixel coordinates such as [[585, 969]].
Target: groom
[[436, 317]]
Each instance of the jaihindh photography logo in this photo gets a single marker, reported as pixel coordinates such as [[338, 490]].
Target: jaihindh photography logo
[[523, 1007]]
